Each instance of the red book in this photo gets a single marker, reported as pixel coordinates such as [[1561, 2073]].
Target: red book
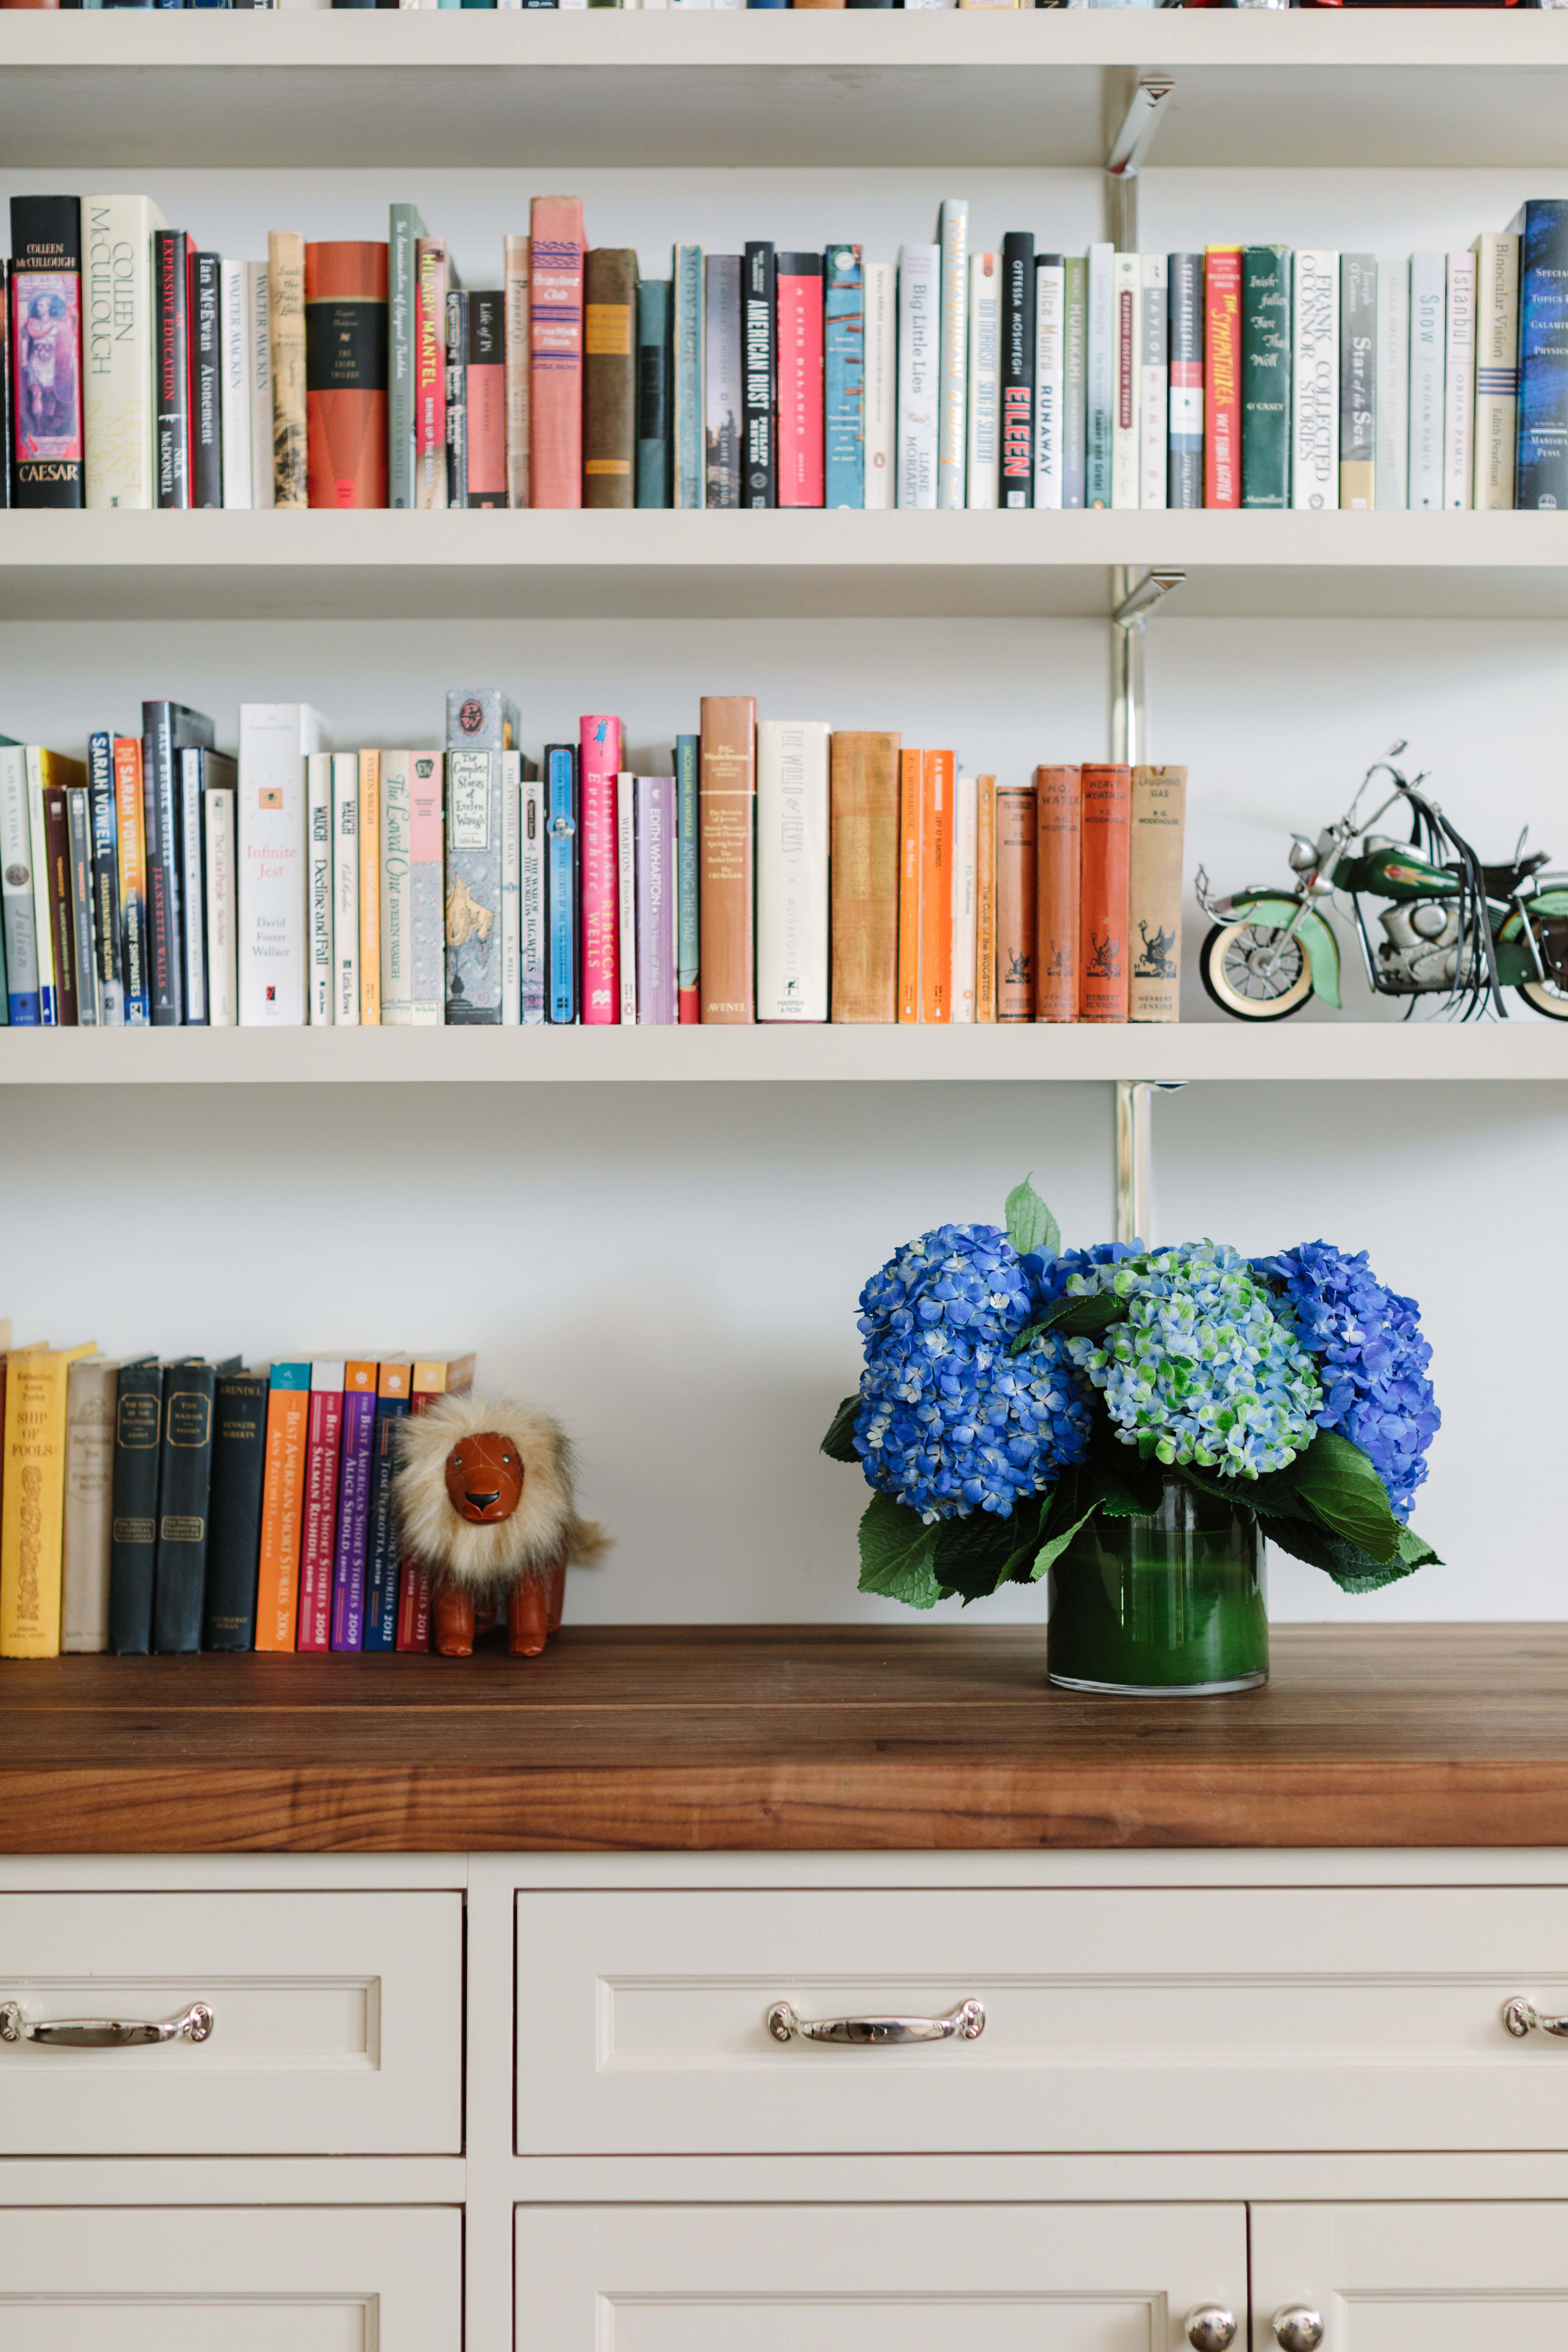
[[600, 766], [1221, 382], [427, 1382], [800, 379], [485, 377], [345, 374], [555, 354], [324, 1437], [1107, 826]]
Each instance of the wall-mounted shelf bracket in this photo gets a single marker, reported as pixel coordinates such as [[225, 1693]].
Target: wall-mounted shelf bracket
[[1128, 148], [1135, 601], [1135, 1156]]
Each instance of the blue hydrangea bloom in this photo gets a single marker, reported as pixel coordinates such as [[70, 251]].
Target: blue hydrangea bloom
[[1207, 1368], [1371, 1361], [1049, 1278]]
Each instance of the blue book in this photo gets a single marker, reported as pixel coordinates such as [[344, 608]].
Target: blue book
[[688, 332], [383, 1554], [106, 877], [1542, 477], [560, 880], [844, 360], [687, 933], [653, 392]]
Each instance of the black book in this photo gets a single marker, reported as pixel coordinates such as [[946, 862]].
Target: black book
[[234, 1509], [133, 1532], [456, 397], [1017, 442], [171, 367], [207, 381], [180, 1572], [46, 319], [759, 361], [105, 873], [167, 728]]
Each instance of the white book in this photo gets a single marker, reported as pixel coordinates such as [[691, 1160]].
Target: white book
[[510, 887], [396, 810], [48, 980], [223, 987], [1153, 377], [919, 375], [1050, 306], [965, 896], [1315, 381], [530, 905], [237, 435], [1100, 374], [345, 889], [882, 369], [18, 919], [1127, 300], [1497, 367], [1391, 430], [191, 845], [984, 377], [275, 741], [91, 1403], [1459, 383], [791, 870], [258, 342], [318, 879], [1428, 341], [627, 896], [117, 349], [955, 377]]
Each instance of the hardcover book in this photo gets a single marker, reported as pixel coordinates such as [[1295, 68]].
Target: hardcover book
[[986, 899], [202, 772], [1358, 380], [556, 390], [351, 1532], [1102, 910], [184, 1477], [1017, 849], [383, 1556], [723, 393], [105, 878], [1185, 477], [1153, 380], [937, 841], [599, 766], [1391, 421], [132, 829], [1075, 379], [560, 880], [480, 724], [286, 332], [47, 421], [485, 394], [275, 741], [345, 889], [726, 824], [396, 819], [234, 1509], [864, 872], [791, 870], [531, 854], [206, 333], [953, 367], [235, 404], [844, 379], [609, 377], [920, 373], [880, 282], [1100, 374], [516, 327], [1058, 868], [133, 1528], [654, 388], [319, 886], [912, 862], [627, 898], [457, 380], [427, 908], [346, 372], [406, 228], [689, 345], [1050, 302], [1222, 378], [800, 379], [961, 995], [1266, 376], [167, 729], [38, 883], [1497, 369], [1459, 383], [687, 936], [317, 1539], [282, 1506], [433, 282], [1154, 893], [759, 468], [982, 474], [90, 1394], [222, 907], [118, 329], [510, 887], [368, 835], [258, 351], [1126, 337], [1428, 346], [656, 926], [1541, 472], [1018, 345], [32, 1500], [1315, 382], [79, 827], [172, 415], [17, 917]]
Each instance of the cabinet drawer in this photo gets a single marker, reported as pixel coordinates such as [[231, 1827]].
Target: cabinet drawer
[[138, 2280], [337, 2024], [1214, 2019]]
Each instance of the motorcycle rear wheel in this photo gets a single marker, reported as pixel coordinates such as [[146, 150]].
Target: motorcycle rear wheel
[[1545, 996], [1226, 966]]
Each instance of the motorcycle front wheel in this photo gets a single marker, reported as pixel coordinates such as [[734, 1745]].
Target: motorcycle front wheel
[[1234, 963], [1546, 996]]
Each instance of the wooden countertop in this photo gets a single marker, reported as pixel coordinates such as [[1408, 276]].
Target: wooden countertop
[[791, 1737]]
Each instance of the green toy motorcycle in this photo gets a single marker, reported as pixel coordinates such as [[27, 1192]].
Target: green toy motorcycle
[[1452, 927]]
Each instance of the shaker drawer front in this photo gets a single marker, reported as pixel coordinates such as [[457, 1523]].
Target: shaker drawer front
[[1212, 2019], [336, 2024]]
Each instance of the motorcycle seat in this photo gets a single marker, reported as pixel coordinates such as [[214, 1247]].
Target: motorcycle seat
[[1502, 881]]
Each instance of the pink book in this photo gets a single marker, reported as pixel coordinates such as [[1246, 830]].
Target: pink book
[[601, 764], [323, 1435], [555, 354], [800, 379], [353, 1505]]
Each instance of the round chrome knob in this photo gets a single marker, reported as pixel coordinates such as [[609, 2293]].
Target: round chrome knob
[[1210, 2327], [1297, 2329]]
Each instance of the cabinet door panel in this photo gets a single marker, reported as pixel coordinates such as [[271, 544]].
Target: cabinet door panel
[[873, 2278], [1415, 2278]]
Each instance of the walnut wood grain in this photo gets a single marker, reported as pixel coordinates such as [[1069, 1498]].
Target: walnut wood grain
[[791, 1738]]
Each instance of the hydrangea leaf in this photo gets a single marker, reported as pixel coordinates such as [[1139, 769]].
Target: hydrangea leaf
[[972, 1554], [1352, 1569], [1075, 1318], [1128, 1489], [1346, 1493], [1031, 1228], [839, 1442], [1415, 1552], [1053, 1546], [896, 1549]]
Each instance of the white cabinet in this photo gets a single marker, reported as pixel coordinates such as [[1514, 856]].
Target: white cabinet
[[1415, 2278], [875, 2278]]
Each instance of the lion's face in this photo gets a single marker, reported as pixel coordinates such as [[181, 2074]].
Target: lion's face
[[484, 1478]]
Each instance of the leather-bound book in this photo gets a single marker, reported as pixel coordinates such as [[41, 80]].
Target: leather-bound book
[[555, 353], [727, 805], [1154, 893], [1015, 900], [345, 373], [133, 1528], [609, 376], [1102, 910], [180, 1578], [1057, 860], [234, 1510], [864, 871]]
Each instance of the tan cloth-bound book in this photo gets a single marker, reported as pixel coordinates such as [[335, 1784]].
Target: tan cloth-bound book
[[1016, 902], [286, 328], [1059, 829], [91, 1391], [609, 382], [1154, 893], [864, 786], [726, 851], [518, 270]]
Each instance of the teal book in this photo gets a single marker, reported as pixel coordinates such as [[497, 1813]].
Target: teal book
[[687, 933], [653, 392], [1266, 376], [688, 335], [844, 363], [405, 229], [1075, 314]]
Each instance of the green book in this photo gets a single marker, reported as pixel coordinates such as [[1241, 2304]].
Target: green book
[[1266, 376]]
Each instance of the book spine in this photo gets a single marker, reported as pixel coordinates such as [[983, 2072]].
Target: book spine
[[1222, 376], [1264, 376], [561, 881], [369, 836], [83, 934], [383, 1555], [207, 381], [844, 379], [1102, 913], [105, 880], [955, 365], [556, 350], [134, 1530], [1075, 379], [1058, 863], [688, 343], [759, 292], [863, 872], [800, 379], [1153, 380], [89, 1499], [395, 925], [880, 282], [318, 1541], [62, 904], [1158, 817], [1358, 380], [1018, 372], [653, 392], [456, 346], [920, 373], [936, 887], [405, 230], [234, 1512], [275, 740], [282, 1506], [1540, 478], [1100, 374], [1018, 850], [1392, 422], [1428, 343], [1459, 383], [532, 959], [687, 922], [223, 971], [983, 479], [510, 887], [159, 791], [1497, 369], [986, 899], [727, 835], [485, 396], [172, 393], [46, 352], [723, 393], [346, 364], [627, 898], [599, 766], [911, 866], [259, 347], [356, 1448], [321, 993], [473, 958], [345, 889], [1126, 295], [430, 471], [21, 938], [427, 1382], [427, 891], [43, 922], [286, 332], [1185, 479], [1315, 382], [185, 1477], [792, 870], [516, 328], [655, 882], [234, 405], [1050, 296], [609, 377], [131, 825], [118, 346], [964, 911], [192, 885]]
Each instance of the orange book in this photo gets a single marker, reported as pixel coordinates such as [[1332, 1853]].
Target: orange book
[[282, 1506], [936, 887], [427, 1382], [985, 897], [345, 374], [370, 889], [1102, 905], [1058, 858], [1017, 919], [911, 770]]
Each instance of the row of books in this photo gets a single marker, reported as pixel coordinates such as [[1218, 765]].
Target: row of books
[[781, 871], [725, 5], [362, 373], [197, 1506]]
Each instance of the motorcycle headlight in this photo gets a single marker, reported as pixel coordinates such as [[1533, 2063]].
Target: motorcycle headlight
[[1303, 854]]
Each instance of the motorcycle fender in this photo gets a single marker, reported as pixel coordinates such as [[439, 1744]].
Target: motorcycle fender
[[1321, 947], [1515, 963]]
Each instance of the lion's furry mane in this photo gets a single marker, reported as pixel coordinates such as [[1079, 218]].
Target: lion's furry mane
[[545, 1522]]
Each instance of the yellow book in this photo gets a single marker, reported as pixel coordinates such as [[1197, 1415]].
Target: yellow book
[[370, 889], [32, 1514]]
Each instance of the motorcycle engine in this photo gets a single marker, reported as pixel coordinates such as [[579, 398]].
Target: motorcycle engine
[[1422, 948]]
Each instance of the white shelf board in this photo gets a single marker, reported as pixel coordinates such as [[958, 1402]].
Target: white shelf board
[[843, 1054], [541, 88], [494, 565]]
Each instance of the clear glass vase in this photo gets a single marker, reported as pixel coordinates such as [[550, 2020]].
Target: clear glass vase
[[1170, 1604]]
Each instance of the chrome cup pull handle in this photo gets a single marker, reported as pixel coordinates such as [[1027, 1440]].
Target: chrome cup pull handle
[[965, 2023], [103, 2032], [1519, 2015]]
